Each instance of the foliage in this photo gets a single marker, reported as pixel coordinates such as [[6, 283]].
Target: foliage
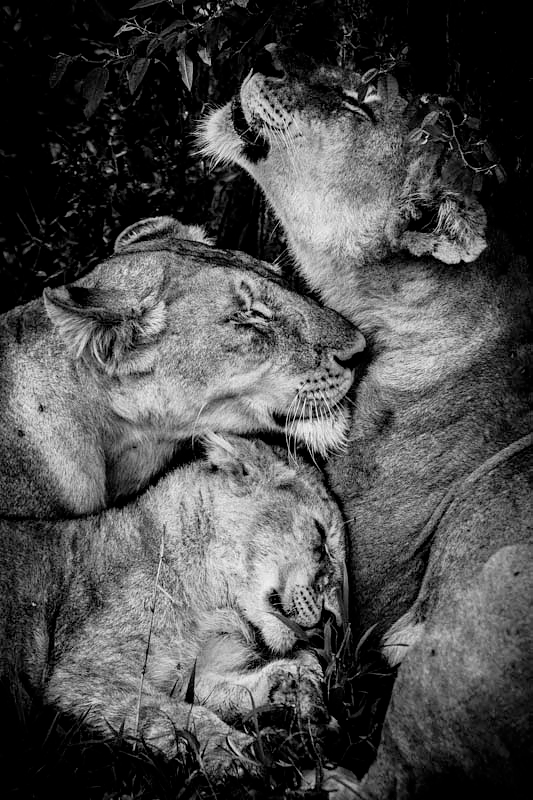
[[101, 97]]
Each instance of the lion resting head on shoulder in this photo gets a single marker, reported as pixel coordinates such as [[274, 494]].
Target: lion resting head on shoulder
[[104, 379]]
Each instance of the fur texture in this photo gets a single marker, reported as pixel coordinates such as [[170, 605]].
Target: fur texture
[[380, 230], [108, 615], [103, 379]]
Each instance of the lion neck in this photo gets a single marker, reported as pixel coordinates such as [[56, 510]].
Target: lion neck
[[438, 398]]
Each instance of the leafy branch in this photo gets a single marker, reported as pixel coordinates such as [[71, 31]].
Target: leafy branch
[[181, 31], [448, 125]]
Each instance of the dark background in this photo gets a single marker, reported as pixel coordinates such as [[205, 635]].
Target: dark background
[[97, 127]]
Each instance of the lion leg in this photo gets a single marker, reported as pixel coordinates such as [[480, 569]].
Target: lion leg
[[226, 682], [460, 712], [109, 703]]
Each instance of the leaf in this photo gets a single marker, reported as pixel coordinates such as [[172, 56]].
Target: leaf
[[489, 152], [500, 173], [186, 68], [204, 55], [369, 75], [388, 90], [189, 693], [93, 89], [128, 26], [137, 73], [146, 3], [217, 34], [175, 41], [241, 3], [174, 26], [418, 136], [153, 45], [430, 119], [60, 67], [436, 133], [298, 631], [472, 122]]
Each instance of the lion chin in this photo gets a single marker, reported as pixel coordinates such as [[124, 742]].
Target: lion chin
[[378, 193]]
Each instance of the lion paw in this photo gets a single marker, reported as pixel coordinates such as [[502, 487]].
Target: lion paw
[[301, 691]]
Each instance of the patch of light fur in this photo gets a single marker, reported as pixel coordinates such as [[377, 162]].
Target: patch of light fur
[[285, 138], [402, 635], [291, 425], [216, 138], [326, 435]]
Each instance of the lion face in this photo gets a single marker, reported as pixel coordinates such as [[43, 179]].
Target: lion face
[[185, 338], [289, 557], [333, 153]]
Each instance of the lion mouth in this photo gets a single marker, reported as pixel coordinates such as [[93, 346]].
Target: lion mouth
[[308, 415], [255, 146]]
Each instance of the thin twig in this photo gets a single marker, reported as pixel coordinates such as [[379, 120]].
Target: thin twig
[[152, 617]]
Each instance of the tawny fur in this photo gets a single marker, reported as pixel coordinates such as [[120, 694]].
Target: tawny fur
[[377, 231], [182, 579], [103, 379]]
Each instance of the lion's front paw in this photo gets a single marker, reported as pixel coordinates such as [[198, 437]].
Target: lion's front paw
[[230, 755], [298, 687]]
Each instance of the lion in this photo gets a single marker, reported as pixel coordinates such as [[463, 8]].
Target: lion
[[105, 379], [210, 570], [375, 193]]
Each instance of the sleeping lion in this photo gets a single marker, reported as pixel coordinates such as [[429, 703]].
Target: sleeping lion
[[108, 616], [103, 380], [376, 191]]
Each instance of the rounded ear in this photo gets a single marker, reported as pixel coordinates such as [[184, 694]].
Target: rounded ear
[[228, 456], [441, 215], [95, 328], [159, 231], [452, 223]]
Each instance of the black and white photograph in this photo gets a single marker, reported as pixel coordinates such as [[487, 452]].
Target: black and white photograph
[[266, 366]]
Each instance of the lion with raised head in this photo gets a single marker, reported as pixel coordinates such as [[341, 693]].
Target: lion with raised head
[[380, 210], [103, 380], [108, 616]]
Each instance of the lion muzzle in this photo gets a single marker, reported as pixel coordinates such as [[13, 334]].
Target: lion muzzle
[[306, 606]]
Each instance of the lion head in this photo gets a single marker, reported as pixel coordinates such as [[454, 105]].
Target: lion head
[[180, 338], [284, 535], [351, 165]]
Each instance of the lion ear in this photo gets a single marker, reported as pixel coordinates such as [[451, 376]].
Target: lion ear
[[231, 457], [444, 218], [159, 231], [95, 328]]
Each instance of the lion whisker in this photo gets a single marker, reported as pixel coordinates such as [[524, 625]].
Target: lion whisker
[[291, 426], [195, 423]]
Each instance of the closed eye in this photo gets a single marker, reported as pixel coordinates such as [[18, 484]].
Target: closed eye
[[261, 311], [252, 311], [321, 549], [258, 315], [356, 107]]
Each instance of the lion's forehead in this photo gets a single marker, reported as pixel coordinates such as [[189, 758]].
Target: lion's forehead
[[305, 515], [320, 93]]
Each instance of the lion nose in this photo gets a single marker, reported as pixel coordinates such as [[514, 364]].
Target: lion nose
[[268, 64], [347, 357]]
